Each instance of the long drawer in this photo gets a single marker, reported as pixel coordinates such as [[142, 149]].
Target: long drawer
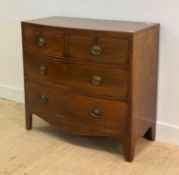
[[101, 80], [87, 111]]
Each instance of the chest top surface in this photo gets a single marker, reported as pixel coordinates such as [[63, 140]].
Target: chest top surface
[[92, 24]]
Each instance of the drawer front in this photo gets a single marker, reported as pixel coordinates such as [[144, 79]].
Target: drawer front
[[100, 80], [87, 111], [101, 50], [43, 41]]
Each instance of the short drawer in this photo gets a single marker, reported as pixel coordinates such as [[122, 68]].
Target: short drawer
[[45, 41], [98, 49], [101, 80], [87, 111]]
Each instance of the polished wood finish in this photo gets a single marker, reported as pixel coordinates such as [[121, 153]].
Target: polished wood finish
[[79, 76], [113, 50], [92, 24], [77, 108], [54, 41], [92, 77], [144, 93]]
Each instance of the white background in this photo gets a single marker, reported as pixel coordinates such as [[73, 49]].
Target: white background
[[164, 12]]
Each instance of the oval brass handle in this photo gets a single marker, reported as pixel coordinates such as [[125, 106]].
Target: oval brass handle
[[96, 112], [43, 98], [96, 80], [42, 69], [96, 49], [41, 41]]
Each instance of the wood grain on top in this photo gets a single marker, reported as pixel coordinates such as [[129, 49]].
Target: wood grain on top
[[92, 24]]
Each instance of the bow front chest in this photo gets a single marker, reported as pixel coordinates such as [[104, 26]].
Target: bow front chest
[[92, 77]]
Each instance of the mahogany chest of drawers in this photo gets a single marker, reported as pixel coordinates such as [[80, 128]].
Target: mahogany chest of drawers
[[92, 77]]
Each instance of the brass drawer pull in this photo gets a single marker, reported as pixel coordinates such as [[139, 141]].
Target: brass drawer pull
[[43, 98], [41, 41], [96, 50], [96, 80], [42, 69], [96, 112]]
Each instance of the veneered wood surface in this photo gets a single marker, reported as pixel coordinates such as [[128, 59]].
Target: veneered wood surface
[[144, 81], [55, 41], [114, 50], [92, 24], [76, 108], [78, 77]]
